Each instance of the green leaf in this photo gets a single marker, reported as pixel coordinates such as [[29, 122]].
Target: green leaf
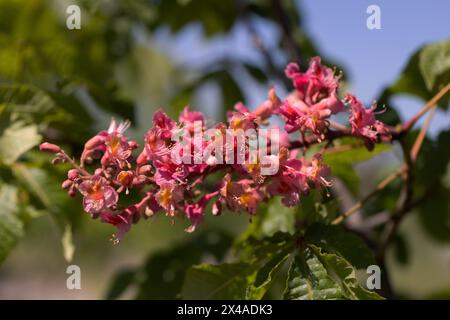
[[47, 194], [434, 214], [434, 64], [433, 161], [11, 227], [344, 274], [427, 71], [309, 280], [341, 163], [209, 282], [249, 278], [16, 140], [335, 239], [265, 275]]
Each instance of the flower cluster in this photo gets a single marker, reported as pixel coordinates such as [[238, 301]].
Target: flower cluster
[[178, 159]]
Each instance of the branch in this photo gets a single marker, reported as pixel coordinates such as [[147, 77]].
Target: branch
[[405, 168], [419, 140], [408, 125], [383, 184]]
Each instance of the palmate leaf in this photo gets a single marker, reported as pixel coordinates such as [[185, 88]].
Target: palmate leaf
[[309, 280], [319, 268], [344, 274], [334, 239], [265, 275], [250, 278], [315, 275]]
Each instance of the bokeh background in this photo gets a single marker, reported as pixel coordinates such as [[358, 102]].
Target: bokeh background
[[131, 58]]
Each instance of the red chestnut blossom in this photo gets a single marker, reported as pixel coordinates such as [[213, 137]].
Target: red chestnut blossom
[[98, 195], [314, 100], [363, 122], [113, 144], [178, 157], [189, 118], [242, 118], [240, 195]]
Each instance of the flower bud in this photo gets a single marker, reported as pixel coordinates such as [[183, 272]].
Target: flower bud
[[133, 144], [94, 142], [145, 169], [72, 174], [142, 158], [72, 191], [49, 147], [67, 184], [125, 177]]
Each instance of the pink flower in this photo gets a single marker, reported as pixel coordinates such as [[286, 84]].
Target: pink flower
[[169, 197], [290, 182], [241, 119], [195, 211], [158, 140], [363, 122], [302, 118], [98, 195], [164, 124], [190, 118], [315, 172], [168, 172], [315, 85], [115, 146], [314, 100], [121, 220], [268, 107], [240, 195]]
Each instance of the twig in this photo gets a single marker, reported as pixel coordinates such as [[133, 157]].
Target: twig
[[419, 140], [410, 158], [383, 184], [408, 125], [407, 205], [74, 164]]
